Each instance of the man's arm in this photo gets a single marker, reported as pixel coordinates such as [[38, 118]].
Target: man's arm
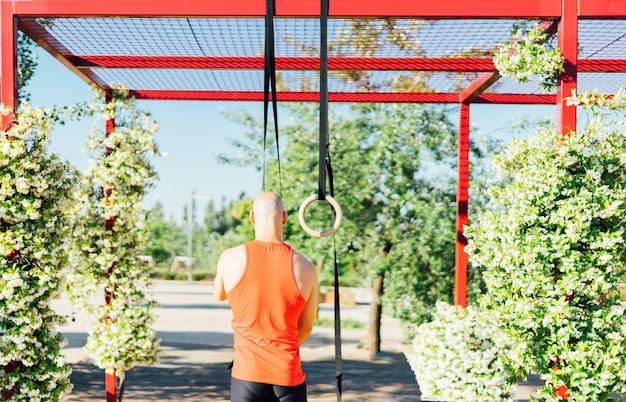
[[306, 276]]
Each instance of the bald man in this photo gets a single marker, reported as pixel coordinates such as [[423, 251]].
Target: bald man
[[273, 293]]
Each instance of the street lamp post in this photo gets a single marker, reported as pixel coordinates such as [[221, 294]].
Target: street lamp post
[[190, 230]]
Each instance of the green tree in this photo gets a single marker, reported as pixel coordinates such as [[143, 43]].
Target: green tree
[[240, 211], [220, 220], [166, 238], [238, 231], [26, 63], [394, 173], [223, 228]]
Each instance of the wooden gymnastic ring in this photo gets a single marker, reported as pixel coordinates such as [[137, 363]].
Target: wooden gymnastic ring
[[318, 233]]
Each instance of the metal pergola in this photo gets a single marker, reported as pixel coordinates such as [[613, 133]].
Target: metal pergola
[[213, 50]]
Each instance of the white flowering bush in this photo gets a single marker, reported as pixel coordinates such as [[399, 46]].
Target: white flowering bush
[[528, 54], [456, 358], [553, 254], [111, 235], [35, 191]]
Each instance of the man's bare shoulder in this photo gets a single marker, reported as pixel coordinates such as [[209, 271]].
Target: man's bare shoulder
[[230, 267], [231, 258], [302, 263], [234, 251]]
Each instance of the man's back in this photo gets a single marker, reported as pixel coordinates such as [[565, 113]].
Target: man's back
[[273, 294], [267, 305]]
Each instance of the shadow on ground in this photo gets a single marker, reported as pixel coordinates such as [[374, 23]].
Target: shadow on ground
[[383, 380]]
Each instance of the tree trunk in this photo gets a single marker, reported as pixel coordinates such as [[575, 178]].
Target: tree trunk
[[375, 316]]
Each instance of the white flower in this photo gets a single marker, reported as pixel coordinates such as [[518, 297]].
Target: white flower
[[456, 357], [31, 275], [553, 254], [528, 55], [120, 336]]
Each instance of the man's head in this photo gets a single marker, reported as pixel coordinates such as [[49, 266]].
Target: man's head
[[268, 208]]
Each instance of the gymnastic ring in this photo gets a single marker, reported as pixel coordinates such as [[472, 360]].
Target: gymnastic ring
[[327, 232]]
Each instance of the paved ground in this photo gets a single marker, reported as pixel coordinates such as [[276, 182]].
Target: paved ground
[[197, 345]]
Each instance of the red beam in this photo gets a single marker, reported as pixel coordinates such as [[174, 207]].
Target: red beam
[[143, 8], [602, 8], [516, 99], [298, 96], [602, 65], [447, 8], [286, 63], [462, 198], [291, 8], [457, 64], [478, 86], [387, 97]]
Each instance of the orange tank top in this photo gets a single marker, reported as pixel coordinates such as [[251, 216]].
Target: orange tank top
[[266, 305]]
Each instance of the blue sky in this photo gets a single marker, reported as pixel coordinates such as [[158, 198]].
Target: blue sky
[[191, 132]]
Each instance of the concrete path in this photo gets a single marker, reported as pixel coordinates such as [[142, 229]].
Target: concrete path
[[196, 339]]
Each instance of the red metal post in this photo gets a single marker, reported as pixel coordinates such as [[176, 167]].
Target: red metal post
[[568, 43], [110, 378], [8, 93], [110, 387], [566, 115], [8, 58], [460, 266]]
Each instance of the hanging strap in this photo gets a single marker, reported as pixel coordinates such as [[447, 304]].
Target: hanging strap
[[323, 144], [338, 364], [270, 77], [324, 167]]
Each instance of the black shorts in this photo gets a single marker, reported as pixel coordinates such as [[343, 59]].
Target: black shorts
[[248, 391]]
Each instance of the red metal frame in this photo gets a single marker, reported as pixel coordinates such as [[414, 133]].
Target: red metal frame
[[301, 8], [8, 58], [310, 8], [110, 379], [357, 97], [8, 92], [456, 64], [483, 82], [461, 64], [567, 12], [462, 200], [568, 43]]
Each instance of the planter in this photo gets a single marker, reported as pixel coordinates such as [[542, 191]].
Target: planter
[[347, 297]]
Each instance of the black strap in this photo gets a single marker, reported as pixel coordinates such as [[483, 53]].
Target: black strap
[[323, 145], [324, 167], [338, 364], [270, 77]]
